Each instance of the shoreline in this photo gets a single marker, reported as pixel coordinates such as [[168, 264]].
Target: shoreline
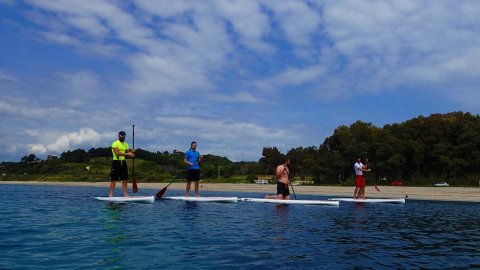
[[460, 194]]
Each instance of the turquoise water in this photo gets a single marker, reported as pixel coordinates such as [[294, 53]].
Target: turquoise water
[[48, 227]]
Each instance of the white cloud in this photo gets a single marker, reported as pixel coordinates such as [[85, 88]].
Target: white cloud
[[75, 139], [243, 97], [78, 83], [224, 137], [161, 75], [7, 76], [182, 45], [90, 24], [195, 60], [388, 44], [249, 22], [7, 107], [298, 21], [67, 142], [8, 2]]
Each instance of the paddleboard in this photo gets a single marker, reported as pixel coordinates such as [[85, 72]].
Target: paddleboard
[[204, 199], [315, 202], [139, 199], [369, 200]]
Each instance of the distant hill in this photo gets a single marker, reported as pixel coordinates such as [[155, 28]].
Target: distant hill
[[418, 152]]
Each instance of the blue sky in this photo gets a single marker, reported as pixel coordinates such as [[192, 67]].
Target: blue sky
[[235, 76]]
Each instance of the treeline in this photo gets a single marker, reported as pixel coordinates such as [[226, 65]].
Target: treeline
[[420, 151]]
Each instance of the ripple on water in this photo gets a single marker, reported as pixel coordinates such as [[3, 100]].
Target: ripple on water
[[63, 227]]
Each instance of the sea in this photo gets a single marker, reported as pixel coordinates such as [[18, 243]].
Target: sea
[[56, 227]]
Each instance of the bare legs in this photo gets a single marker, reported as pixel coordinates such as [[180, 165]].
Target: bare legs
[[361, 193], [355, 193], [112, 188], [124, 187], [187, 190]]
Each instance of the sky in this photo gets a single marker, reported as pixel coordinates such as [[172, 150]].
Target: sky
[[233, 75]]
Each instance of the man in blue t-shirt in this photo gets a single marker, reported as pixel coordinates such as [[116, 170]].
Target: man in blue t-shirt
[[192, 159]]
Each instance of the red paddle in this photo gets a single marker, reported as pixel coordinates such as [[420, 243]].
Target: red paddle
[[134, 181], [159, 194]]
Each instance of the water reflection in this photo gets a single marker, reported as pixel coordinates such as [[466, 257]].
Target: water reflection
[[359, 206], [282, 210], [189, 206], [115, 234], [281, 222]]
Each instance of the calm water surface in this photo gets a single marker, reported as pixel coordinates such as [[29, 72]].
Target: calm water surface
[[48, 227]]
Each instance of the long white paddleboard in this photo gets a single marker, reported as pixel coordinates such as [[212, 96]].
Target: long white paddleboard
[[139, 199], [204, 199], [369, 200], [316, 202]]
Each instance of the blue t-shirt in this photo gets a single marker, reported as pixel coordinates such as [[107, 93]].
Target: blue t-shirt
[[193, 157]]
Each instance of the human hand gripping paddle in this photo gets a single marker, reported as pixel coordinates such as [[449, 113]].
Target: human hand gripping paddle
[[134, 181]]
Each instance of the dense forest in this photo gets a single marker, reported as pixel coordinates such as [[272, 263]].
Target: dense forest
[[420, 151]]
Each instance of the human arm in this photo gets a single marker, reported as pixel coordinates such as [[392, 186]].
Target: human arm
[[360, 167], [186, 162], [187, 158], [364, 169], [128, 152]]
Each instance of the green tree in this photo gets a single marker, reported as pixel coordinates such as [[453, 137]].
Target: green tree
[[29, 158], [75, 156], [271, 158]]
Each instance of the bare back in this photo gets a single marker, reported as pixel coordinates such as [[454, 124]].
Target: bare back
[[282, 174]]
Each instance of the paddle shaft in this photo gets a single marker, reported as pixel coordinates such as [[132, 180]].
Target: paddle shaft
[[159, 194], [293, 190], [134, 181], [368, 167], [133, 146]]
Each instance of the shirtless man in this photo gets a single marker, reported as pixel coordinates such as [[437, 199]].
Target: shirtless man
[[283, 181]]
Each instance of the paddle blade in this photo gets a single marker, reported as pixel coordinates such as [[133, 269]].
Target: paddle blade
[[159, 194], [377, 188], [135, 187]]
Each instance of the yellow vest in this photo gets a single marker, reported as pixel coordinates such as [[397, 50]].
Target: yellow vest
[[122, 147]]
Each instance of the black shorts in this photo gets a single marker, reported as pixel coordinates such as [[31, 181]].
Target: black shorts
[[283, 189], [119, 170], [193, 175]]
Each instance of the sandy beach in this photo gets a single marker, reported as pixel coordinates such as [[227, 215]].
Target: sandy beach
[[415, 193]]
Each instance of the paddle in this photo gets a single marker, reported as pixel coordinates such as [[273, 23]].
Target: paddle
[[367, 167], [134, 181], [159, 194], [293, 190]]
